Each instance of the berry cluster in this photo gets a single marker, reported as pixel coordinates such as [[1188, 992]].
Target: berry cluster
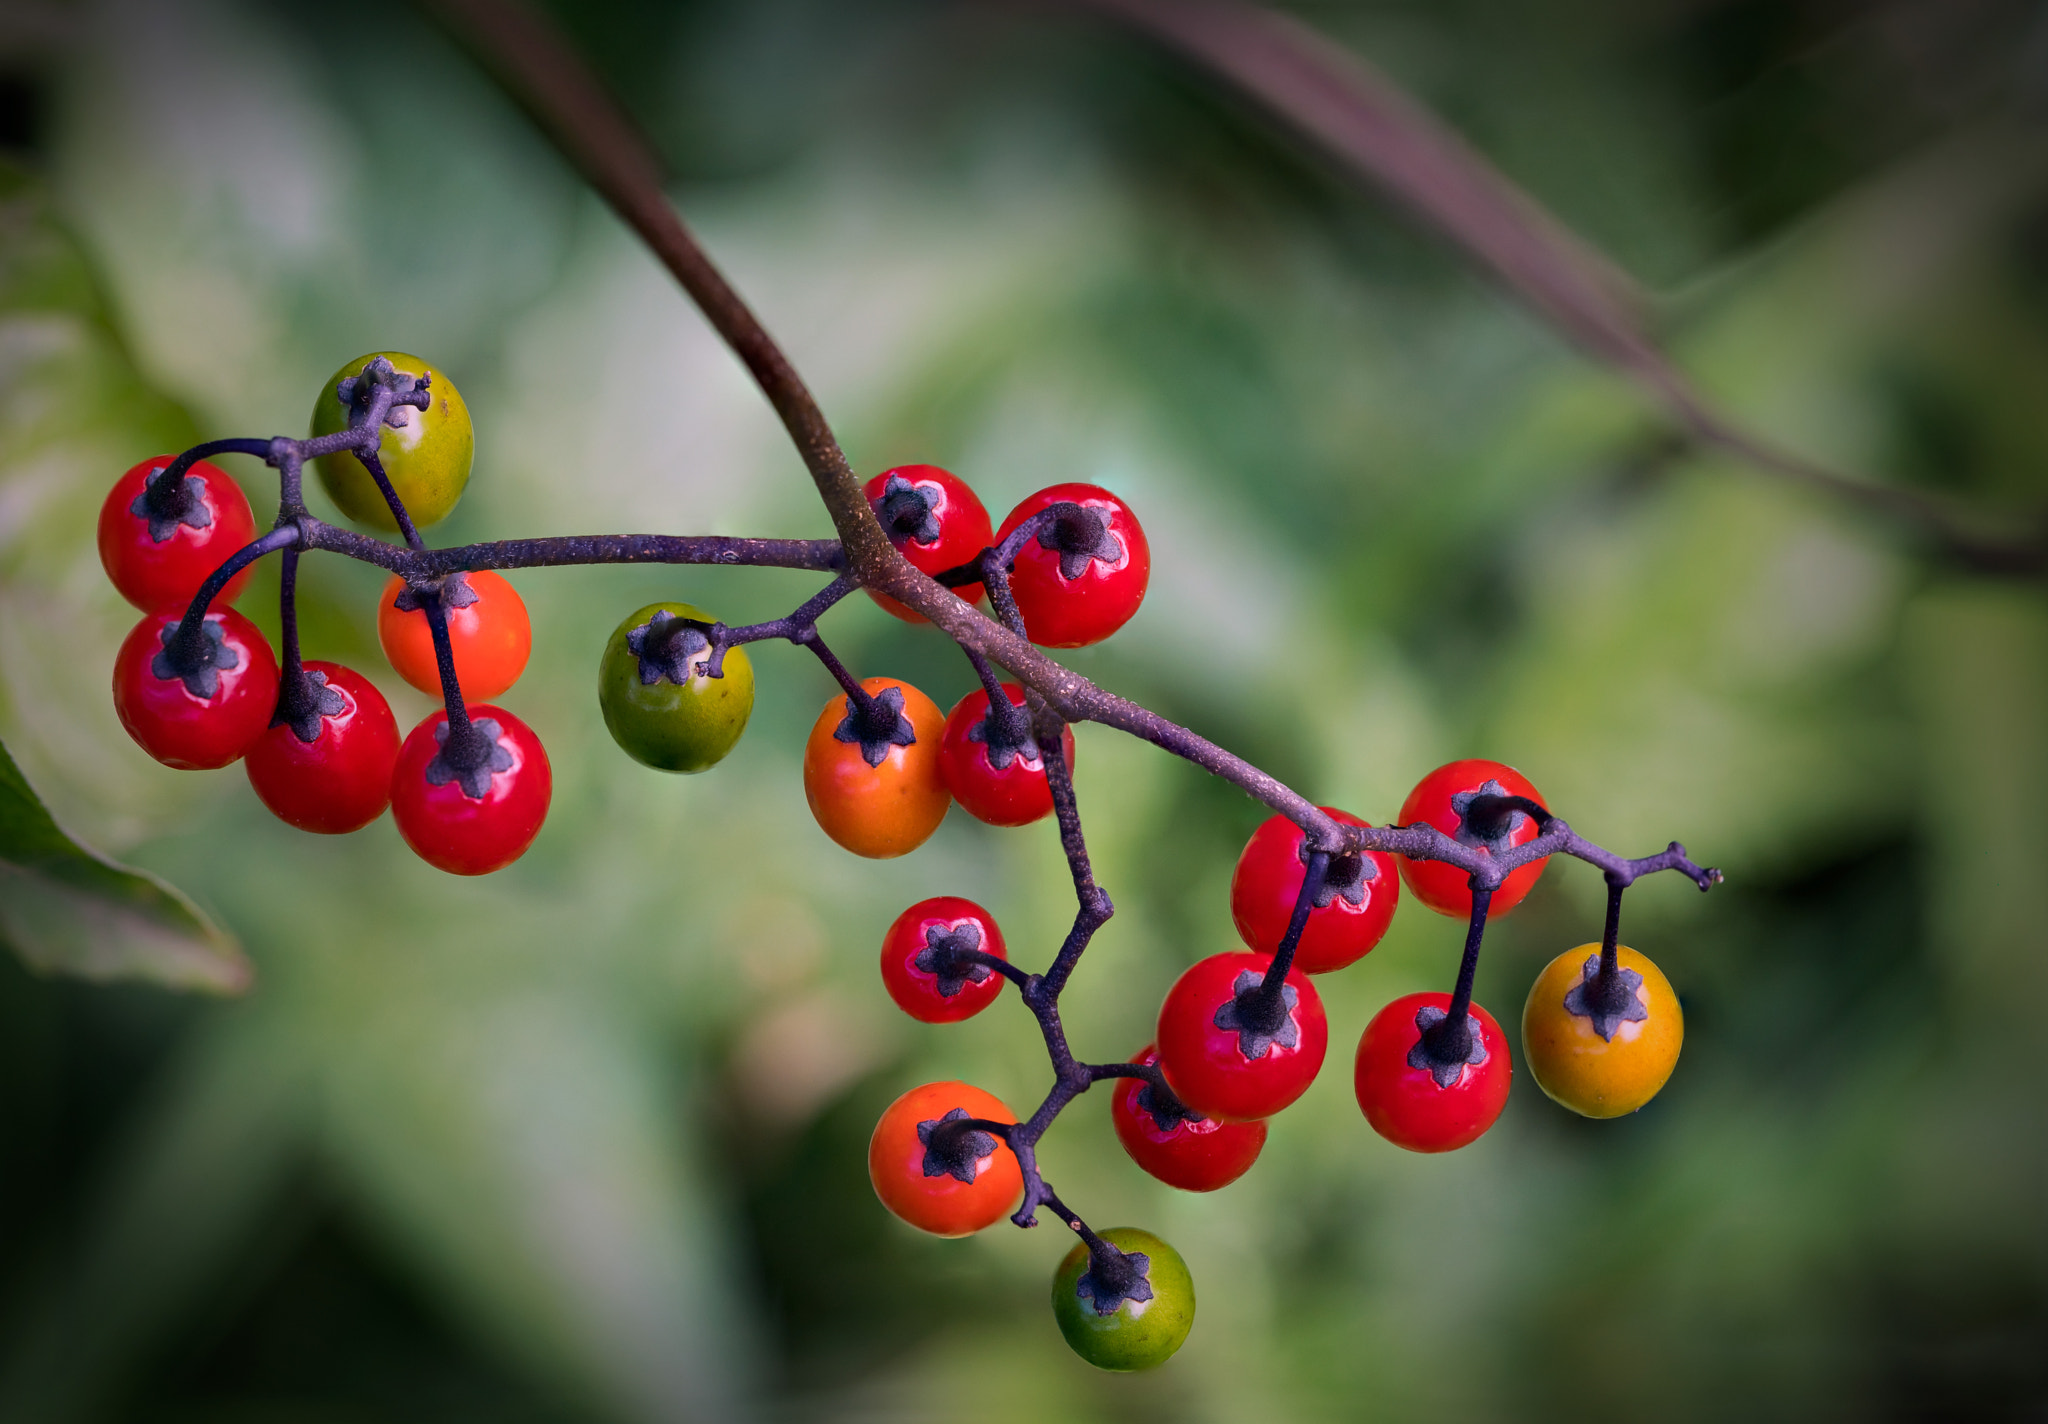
[[1240, 1036]]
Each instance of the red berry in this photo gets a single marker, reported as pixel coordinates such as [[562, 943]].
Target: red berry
[[159, 560], [1352, 912], [201, 713], [934, 520], [998, 783], [1425, 1107], [1224, 1063], [476, 819], [948, 1181], [1439, 800], [920, 977], [1079, 581], [340, 780], [1194, 1153]]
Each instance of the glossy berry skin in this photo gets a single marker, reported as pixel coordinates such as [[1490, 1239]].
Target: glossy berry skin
[[159, 562], [1356, 904], [450, 827], [341, 780], [488, 630], [427, 459], [915, 969], [1223, 1071], [1014, 794], [204, 720], [1136, 1334], [1073, 598], [1438, 800], [659, 704], [888, 806], [1196, 1154], [934, 520], [1592, 1075], [1405, 1104], [977, 1187]]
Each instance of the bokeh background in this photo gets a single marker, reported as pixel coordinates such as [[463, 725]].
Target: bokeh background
[[583, 1141]]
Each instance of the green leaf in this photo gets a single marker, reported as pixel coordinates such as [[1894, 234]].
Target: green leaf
[[66, 909]]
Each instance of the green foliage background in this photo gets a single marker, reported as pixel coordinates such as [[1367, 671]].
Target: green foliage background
[[583, 1140]]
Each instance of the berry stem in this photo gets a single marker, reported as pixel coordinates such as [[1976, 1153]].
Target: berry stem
[[188, 644], [1461, 996], [1610, 937], [444, 662], [1264, 1006], [162, 495], [1007, 718], [370, 461]]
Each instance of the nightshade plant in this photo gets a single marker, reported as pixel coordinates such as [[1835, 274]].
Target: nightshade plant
[[1240, 1035]]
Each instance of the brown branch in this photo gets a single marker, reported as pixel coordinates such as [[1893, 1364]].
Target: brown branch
[[1382, 135], [538, 67]]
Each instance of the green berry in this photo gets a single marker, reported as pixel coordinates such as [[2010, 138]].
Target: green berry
[[660, 705], [427, 459], [1150, 1316]]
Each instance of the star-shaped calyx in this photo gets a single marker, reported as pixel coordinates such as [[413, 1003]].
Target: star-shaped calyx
[[1078, 538], [955, 1154], [1134, 1269], [876, 733], [1608, 1003], [1003, 747], [942, 957], [1346, 876], [215, 658], [1256, 1040], [670, 648], [454, 590], [463, 766], [165, 513], [410, 391], [1165, 1115], [1426, 1054], [305, 710], [909, 511], [1461, 803]]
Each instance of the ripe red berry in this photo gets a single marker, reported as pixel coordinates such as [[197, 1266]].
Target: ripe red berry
[[994, 780], [158, 558], [946, 1180], [1081, 578], [919, 964], [1440, 799], [1428, 1104], [1351, 913], [1189, 1151], [934, 520], [1220, 1057], [195, 708], [338, 779], [466, 813]]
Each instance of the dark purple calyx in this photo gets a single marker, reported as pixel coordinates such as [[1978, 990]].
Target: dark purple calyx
[[1260, 1020], [1446, 1046], [1490, 815], [1609, 1000], [877, 727], [953, 1151], [945, 957], [1005, 745], [670, 648], [453, 592], [409, 392], [305, 702], [908, 512], [471, 758], [1166, 1111], [1078, 535], [165, 504], [1346, 875], [197, 662], [1113, 1277]]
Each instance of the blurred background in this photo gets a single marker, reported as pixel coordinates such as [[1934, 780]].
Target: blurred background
[[583, 1140]]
